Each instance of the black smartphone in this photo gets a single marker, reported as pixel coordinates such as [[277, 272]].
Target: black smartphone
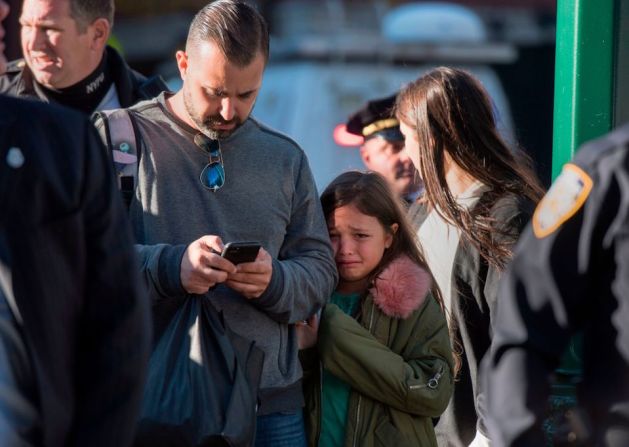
[[237, 252]]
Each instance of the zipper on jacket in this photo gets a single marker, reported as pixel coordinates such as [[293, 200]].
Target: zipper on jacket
[[359, 396], [432, 383]]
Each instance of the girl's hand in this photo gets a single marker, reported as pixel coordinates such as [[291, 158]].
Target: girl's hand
[[307, 332]]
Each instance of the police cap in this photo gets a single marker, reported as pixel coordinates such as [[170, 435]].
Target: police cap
[[374, 119]]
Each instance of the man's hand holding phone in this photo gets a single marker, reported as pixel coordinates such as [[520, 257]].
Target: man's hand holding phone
[[245, 267], [202, 266]]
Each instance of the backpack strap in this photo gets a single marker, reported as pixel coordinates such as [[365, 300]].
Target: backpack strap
[[124, 144]]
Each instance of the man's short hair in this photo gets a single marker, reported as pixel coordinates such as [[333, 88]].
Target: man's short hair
[[235, 26], [84, 12]]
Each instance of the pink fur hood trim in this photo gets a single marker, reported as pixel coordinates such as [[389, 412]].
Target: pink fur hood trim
[[401, 288]]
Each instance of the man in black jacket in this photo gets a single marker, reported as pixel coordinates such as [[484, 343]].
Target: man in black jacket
[[66, 59], [74, 323], [570, 274]]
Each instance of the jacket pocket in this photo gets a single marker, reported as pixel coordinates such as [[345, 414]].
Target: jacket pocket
[[431, 382]]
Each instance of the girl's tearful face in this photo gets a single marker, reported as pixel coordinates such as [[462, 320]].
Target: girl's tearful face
[[359, 241]]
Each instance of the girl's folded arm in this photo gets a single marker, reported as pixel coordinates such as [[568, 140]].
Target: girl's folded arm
[[420, 385]]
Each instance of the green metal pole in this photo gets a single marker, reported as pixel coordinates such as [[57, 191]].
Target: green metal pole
[[584, 89], [583, 75], [587, 34]]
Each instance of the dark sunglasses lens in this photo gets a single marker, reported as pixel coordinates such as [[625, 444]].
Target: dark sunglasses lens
[[213, 176]]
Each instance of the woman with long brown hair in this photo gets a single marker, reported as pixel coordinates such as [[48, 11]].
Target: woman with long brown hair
[[479, 195]]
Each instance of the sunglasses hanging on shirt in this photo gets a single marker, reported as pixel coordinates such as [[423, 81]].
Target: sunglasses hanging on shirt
[[213, 175]]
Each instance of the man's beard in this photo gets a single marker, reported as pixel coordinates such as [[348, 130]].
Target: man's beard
[[206, 124]]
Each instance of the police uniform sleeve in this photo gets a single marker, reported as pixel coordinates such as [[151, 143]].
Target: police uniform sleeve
[[550, 290]]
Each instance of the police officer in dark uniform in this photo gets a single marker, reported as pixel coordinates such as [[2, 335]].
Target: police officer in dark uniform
[[570, 274], [66, 59], [376, 130]]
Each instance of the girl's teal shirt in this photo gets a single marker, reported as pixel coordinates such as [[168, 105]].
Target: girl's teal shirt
[[335, 392]]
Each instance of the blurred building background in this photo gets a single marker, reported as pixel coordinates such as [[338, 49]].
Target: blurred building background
[[329, 56]]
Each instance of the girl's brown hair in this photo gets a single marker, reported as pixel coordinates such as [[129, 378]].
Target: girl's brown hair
[[370, 193], [451, 112]]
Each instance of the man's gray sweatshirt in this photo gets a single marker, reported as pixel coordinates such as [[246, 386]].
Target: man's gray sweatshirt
[[269, 196]]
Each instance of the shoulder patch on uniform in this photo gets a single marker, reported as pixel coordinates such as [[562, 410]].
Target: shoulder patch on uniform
[[565, 197]]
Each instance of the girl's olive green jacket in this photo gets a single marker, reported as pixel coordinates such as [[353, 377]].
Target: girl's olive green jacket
[[396, 357]]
